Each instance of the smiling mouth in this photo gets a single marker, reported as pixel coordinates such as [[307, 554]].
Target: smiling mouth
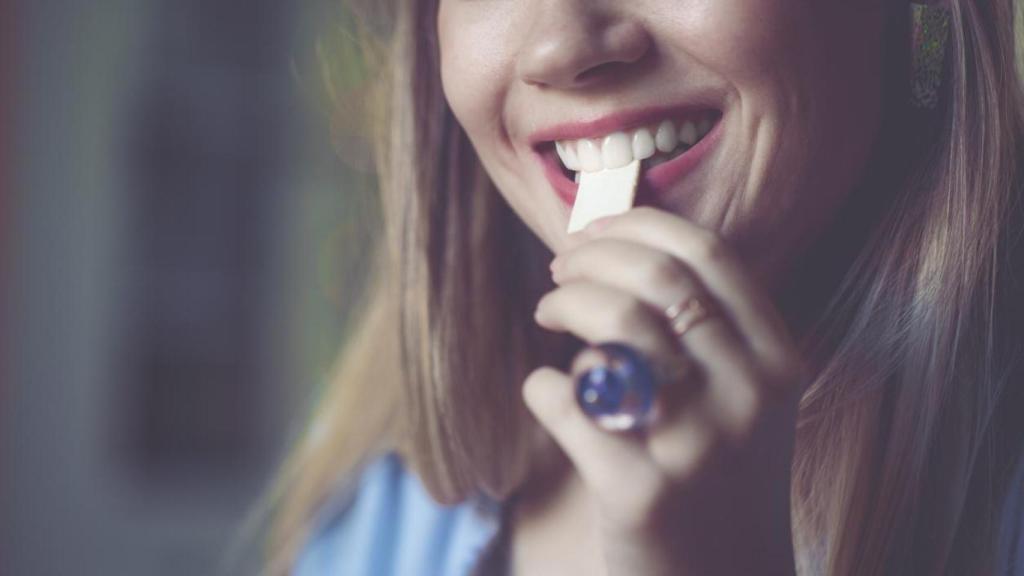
[[653, 144]]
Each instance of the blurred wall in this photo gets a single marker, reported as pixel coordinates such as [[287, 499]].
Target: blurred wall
[[174, 266]]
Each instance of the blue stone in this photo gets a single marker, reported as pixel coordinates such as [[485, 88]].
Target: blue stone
[[621, 393]]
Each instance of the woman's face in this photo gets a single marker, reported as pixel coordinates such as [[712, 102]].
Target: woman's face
[[780, 99]]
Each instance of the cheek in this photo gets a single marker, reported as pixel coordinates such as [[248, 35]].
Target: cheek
[[477, 44], [801, 73], [473, 65], [740, 40]]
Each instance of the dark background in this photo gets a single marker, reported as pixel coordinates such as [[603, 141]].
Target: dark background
[[175, 239]]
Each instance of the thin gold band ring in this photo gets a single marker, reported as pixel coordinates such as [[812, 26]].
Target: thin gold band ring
[[687, 313]]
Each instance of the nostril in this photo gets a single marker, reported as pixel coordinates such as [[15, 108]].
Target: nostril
[[625, 48], [599, 71]]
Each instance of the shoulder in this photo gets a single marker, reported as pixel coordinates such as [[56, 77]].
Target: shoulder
[[387, 524]]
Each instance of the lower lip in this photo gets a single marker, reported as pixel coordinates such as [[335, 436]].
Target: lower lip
[[654, 182]]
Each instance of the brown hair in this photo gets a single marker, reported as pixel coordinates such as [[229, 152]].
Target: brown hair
[[902, 441]]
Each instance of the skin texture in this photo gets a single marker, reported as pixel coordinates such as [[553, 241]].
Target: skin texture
[[706, 489]]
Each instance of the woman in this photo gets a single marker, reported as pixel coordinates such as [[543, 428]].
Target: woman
[[830, 224]]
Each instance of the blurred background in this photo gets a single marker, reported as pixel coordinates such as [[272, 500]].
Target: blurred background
[[178, 193], [175, 238]]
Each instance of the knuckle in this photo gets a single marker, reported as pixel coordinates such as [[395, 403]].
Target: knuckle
[[685, 455], [663, 271], [626, 317], [739, 428], [691, 454], [710, 248]]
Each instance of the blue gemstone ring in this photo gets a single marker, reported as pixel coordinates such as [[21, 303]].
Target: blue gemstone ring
[[618, 395]]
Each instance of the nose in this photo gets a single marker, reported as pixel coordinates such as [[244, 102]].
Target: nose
[[572, 43]]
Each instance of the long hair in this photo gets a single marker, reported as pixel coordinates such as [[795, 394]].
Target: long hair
[[906, 435], [902, 440]]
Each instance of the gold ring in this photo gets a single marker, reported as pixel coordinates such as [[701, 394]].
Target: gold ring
[[687, 313]]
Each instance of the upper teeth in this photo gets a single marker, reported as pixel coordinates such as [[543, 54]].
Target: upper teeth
[[620, 148]]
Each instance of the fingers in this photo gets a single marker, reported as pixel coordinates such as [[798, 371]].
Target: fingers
[[600, 313], [657, 278], [681, 446], [714, 344], [615, 286], [604, 280], [718, 268]]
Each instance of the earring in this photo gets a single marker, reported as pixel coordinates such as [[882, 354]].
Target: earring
[[929, 33]]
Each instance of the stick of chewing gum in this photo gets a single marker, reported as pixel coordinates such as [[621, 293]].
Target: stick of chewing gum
[[604, 193]]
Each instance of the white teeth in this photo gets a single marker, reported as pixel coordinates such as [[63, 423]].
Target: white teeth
[[620, 148], [665, 138], [616, 151], [567, 152], [643, 144], [590, 156], [688, 134]]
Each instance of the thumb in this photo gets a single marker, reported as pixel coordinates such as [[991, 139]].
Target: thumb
[[615, 466]]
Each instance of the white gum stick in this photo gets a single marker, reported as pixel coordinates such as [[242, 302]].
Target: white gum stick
[[604, 193]]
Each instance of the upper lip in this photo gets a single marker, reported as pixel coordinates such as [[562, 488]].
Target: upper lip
[[610, 123]]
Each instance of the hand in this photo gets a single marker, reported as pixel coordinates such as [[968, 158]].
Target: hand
[[706, 489]]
